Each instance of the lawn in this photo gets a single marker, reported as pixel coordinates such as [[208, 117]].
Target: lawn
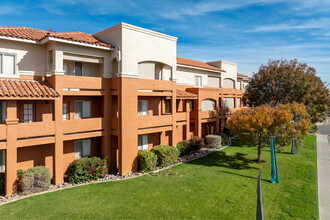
[[219, 186]]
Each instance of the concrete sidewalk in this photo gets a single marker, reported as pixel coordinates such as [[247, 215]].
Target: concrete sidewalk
[[323, 173]]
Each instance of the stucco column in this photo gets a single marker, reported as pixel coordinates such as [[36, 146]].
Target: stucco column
[[128, 122], [174, 134], [106, 139], [187, 120], [11, 148], [162, 138], [58, 146], [217, 126], [198, 125]]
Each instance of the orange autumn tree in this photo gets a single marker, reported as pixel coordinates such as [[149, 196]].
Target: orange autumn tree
[[257, 125]]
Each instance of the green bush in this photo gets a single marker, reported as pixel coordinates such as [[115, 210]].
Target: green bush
[[86, 169], [2, 183], [228, 132], [166, 155], [183, 147], [213, 141], [224, 137], [34, 179], [196, 143], [147, 161]]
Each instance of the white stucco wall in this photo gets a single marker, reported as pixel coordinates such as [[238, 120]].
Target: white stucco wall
[[186, 76], [138, 45], [230, 68], [30, 58]]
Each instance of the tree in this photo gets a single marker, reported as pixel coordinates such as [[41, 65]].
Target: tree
[[253, 125], [257, 125], [282, 82]]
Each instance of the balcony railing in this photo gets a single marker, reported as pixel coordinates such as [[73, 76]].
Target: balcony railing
[[35, 129], [82, 125], [3, 132], [154, 121]]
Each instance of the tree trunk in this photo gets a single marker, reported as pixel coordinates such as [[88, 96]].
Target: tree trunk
[[259, 154]]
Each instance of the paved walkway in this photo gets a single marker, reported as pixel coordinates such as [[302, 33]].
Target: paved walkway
[[323, 171]]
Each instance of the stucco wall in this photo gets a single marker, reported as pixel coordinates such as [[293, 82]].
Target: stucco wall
[[186, 76], [30, 58]]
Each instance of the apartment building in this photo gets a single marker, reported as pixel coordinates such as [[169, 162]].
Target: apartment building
[[66, 95]]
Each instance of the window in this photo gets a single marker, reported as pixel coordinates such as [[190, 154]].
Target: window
[[78, 68], [65, 68], [228, 102], [143, 142], [28, 113], [7, 64], [167, 106], [238, 102], [2, 160], [65, 111], [142, 107], [198, 81], [191, 105], [3, 112], [82, 148], [208, 105], [82, 109]]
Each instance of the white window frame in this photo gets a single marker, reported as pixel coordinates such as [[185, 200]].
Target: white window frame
[[143, 142], [85, 109], [3, 116], [28, 113], [82, 148], [144, 107], [198, 83], [2, 160], [65, 111], [2, 65]]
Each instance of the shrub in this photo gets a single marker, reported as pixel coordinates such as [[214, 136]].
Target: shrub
[[224, 137], [183, 147], [196, 143], [228, 132], [2, 183], [34, 179], [86, 169], [213, 141], [147, 161], [166, 155]]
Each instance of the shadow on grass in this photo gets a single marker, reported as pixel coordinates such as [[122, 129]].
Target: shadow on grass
[[237, 161], [241, 175]]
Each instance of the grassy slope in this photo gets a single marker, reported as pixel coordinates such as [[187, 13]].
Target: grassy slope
[[221, 185]]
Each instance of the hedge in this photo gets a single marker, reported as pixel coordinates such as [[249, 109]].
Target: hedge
[[213, 141], [166, 155], [34, 179], [146, 161], [224, 137], [183, 147], [86, 169]]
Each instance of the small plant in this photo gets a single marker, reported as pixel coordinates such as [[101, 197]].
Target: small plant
[[213, 141], [167, 155], [86, 169], [224, 138], [183, 147], [2, 183], [196, 143], [35, 179], [146, 161]]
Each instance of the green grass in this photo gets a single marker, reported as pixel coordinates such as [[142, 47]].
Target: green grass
[[219, 186]]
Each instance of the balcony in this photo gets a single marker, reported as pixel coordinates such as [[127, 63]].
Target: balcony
[[35, 129], [151, 84], [83, 125], [3, 132], [154, 121], [181, 116]]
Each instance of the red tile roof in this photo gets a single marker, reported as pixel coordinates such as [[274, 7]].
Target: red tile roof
[[195, 63], [36, 34], [184, 94], [241, 75], [26, 89]]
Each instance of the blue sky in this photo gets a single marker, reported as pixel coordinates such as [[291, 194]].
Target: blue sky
[[247, 32]]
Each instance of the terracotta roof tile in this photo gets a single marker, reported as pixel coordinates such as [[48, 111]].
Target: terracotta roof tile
[[241, 75], [37, 35], [195, 63], [184, 94], [27, 89]]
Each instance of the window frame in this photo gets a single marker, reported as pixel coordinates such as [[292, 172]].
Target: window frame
[[141, 144], [144, 108], [2, 160], [85, 143], [200, 82], [30, 116], [2, 54], [82, 109]]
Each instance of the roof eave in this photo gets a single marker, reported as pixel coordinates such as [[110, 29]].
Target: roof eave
[[200, 68]]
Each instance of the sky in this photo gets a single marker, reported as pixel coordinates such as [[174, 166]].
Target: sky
[[246, 32]]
